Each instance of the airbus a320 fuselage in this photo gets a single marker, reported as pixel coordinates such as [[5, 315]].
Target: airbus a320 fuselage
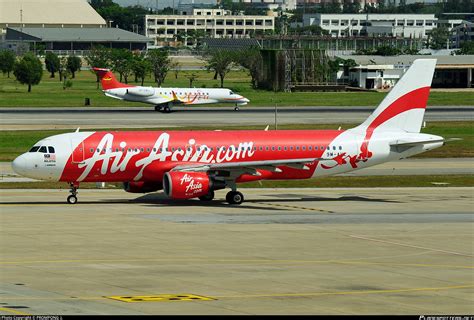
[[165, 98], [193, 164]]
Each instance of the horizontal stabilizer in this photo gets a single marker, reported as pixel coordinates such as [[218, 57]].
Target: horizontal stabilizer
[[403, 143]]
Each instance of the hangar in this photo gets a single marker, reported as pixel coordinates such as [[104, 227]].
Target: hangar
[[382, 72], [75, 40]]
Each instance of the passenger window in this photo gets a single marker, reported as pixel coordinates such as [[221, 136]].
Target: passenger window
[[340, 147], [273, 148], [297, 148], [279, 148], [261, 148], [285, 148], [267, 148], [91, 150], [141, 150], [43, 149], [51, 149], [310, 148], [291, 148], [334, 147], [34, 149], [303, 148]]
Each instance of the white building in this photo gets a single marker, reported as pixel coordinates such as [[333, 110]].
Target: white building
[[216, 23], [270, 4], [390, 25], [377, 72]]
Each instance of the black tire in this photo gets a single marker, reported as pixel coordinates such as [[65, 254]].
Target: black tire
[[72, 199], [157, 108], [234, 197], [207, 197], [166, 109], [236, 108]]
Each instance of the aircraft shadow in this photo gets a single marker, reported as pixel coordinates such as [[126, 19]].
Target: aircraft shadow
[[159, 199]]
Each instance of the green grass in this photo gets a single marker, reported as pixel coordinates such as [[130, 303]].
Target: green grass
[[49, 93], [326, 182], [16, 142]]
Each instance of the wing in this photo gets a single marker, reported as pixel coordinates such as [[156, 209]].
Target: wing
[[249, 167]]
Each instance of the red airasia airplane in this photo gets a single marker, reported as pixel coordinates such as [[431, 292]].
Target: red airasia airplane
[[193, 164]]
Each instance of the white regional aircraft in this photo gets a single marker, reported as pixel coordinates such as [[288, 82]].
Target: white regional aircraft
[[165, 98], [193, 164]]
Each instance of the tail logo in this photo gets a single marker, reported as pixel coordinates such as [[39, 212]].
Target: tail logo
[[107, 79]]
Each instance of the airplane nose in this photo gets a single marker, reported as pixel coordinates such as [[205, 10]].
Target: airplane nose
[[19, 165], [242, 98]]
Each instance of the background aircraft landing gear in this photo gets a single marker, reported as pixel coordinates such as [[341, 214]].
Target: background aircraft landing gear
[[207, 197], [158, 108], [72, 199], [234, 197]]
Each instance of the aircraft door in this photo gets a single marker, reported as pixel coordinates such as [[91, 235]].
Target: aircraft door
[[77, 147]]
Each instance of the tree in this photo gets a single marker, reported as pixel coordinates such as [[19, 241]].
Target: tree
[[191, 78], [221, 62], [439, 38], [140, 67], [251, 59], [7, 61], [74, 64], [51, 61], [176, 66], [28, 70], [98, 57], [122, 60], [466, 48], [160, 64]]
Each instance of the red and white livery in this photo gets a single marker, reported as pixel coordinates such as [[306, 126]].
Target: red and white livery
[[165, 98], [193, 164]]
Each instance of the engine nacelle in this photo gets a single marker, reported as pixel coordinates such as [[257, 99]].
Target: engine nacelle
[[187, 185], [141, 91], [142, 186]]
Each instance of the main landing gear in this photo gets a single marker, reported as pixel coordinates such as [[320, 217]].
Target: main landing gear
[[236, 108], [207, 197], [234, 197], [166, 108], [72, 199]]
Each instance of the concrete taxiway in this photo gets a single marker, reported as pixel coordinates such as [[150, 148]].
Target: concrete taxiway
[[146, 117], [283, 251]]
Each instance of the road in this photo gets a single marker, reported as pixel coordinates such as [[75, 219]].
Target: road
[[146, 117]]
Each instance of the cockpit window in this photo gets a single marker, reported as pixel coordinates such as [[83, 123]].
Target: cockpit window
[[231, 92], [43, 149], [34, 149], [51, 149]]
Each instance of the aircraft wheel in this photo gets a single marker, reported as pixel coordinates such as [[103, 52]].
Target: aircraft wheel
[[167, 109], [72, 199], [236, 108], [207, 197], [234, 197], [157, 108]]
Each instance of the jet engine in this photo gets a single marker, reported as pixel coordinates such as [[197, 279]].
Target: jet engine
[[187, 185], [141, 91], [142, 186]]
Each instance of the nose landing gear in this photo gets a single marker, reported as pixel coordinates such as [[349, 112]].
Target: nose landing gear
[[72, 199]]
